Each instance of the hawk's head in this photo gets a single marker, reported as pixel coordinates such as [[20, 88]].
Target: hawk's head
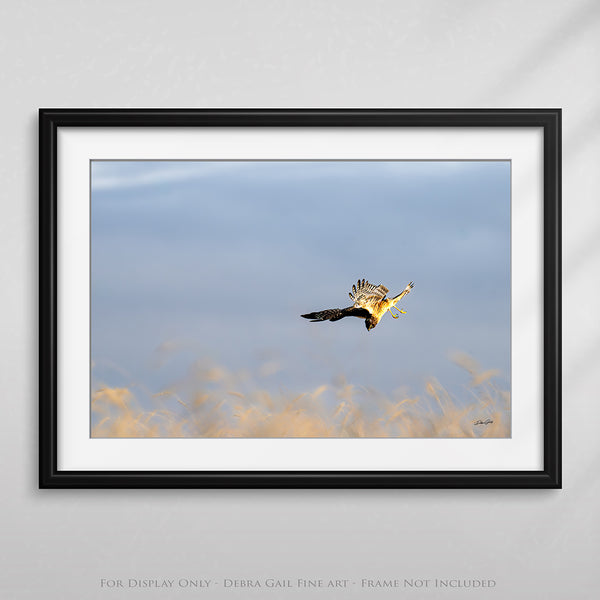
[[370, 322]]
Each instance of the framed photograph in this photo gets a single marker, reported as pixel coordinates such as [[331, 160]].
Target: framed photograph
[[300, 298]]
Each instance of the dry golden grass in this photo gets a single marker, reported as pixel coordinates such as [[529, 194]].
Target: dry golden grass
[[214, 408]]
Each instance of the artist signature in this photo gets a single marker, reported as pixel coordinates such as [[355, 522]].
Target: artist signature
[[480, 422]]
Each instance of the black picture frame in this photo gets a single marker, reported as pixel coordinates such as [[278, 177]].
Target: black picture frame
[[52, 120]]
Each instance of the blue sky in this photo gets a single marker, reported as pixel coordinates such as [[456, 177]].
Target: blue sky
[[215, 261]]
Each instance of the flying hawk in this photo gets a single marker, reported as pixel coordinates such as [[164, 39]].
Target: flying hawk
[[370, 304]]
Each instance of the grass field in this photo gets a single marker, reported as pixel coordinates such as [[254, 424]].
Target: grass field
[[214, 408]]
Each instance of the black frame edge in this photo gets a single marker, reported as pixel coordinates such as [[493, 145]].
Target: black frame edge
[[552, 252], [47, 309], [302, 479]]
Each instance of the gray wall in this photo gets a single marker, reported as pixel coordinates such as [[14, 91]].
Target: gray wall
[[150, 53]]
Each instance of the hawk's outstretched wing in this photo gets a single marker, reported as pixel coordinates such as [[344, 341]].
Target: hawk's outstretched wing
[[365, 293], [335, 314]]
